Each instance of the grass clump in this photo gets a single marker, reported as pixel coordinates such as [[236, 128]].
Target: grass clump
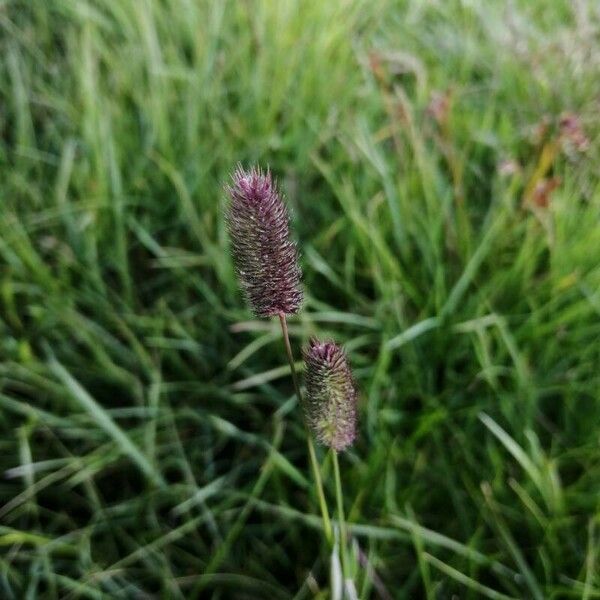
[[441, 163]]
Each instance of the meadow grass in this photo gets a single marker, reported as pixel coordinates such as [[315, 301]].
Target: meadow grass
[[150, 442]]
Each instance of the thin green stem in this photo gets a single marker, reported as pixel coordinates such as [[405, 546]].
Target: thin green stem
[[311, 447], [340, 510], [290, 356], [322, 502]]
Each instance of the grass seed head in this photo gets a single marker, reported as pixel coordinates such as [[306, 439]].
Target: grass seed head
[[265, 258], [331, 397]]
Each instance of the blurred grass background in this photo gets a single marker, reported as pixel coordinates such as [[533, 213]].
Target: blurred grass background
[[441, 160]]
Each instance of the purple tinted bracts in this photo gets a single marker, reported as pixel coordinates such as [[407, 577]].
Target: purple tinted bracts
[[331, 397], [265, 258]]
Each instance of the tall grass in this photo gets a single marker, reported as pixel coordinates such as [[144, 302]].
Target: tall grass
[[141, 433]]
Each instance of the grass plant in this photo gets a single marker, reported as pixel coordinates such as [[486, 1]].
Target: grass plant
[[441, 162]]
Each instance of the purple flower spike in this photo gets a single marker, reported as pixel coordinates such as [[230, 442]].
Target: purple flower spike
[[265, 258], [331, 397]]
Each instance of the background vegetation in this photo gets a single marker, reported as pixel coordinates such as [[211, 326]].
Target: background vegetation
[[441, 159]]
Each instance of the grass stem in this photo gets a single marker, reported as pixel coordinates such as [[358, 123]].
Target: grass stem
[[311, 447], [340, 511]]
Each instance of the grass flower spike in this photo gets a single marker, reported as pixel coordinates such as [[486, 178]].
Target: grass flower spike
[[265, 258], [330, 401]]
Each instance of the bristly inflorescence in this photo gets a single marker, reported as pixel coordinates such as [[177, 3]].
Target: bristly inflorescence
[[265, 258], [331, 397]]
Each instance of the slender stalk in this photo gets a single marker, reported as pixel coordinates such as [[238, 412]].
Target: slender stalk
[[311, 448], [322, 502], [340, 510]]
